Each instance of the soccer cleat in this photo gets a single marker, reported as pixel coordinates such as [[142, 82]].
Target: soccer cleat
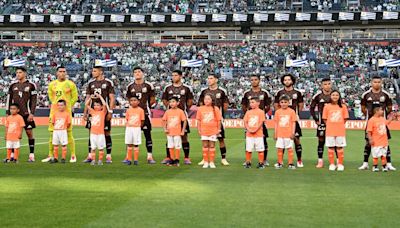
[[340, 167], [260, 166], [201, 163], [63, 160], [15, 161], [151, 161], [385, 169], [244, 163], [212, 165], [364, 166], [73, 159], [300, 164], [100, 162], [87, 160], [31, 157], [47, 159], [291, 166], [266, 163], [108, 159], [176, 163], [165, 161], [53, 160], [12, 159], [6, 160], [278, 166], [320, 164], [187, 161], [205, 165], [332, 167], [135, 162], [127, 162], [224, 162], [93, 162], [248, 165], [390, 167], [375, 169]]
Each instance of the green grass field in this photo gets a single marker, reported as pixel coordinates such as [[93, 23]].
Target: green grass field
[[79, 195]]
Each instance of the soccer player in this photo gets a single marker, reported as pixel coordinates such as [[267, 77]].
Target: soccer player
[[296, 103], [62, 89], [285, 127], [209, 126], [220, 100], [133, 133], [105, 88], [185, 95], [97, 128], [376, 96], [377, 136], [335, 116], [319, 100], [145, 92], [13, 134], [24, 93], [254, 121], [172, 122], [61, 121], [265, 105]]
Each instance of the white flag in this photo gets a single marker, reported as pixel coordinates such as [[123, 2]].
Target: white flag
[[56, 18], [16, 18], [117, 18], [36, 18], [178, 18], [303, 16], [344, 16], [96, 18], [157, 18], [1, 18], [216, 17], [77, 18], [137, 18], [390, 15], [368, 16], [239, 17], [198, 18], [258, 17], [281, 17], [324, 16]]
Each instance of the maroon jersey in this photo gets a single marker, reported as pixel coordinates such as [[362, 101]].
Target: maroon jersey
[[382, 98], [103, 87], [144, 92], [25, 95], [263, 96], [183, 92], [220, 97], [296, 97], [319, 100]]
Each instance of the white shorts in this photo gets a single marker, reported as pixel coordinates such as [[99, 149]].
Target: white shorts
[[174, 142], [254, 144], [284, 143], [379, 151], [60, 137], [13, 144], [212, 138], [97, 142], [133, 136], [335, 141]]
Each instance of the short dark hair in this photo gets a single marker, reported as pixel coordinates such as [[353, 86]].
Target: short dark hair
[[376, 77], [134, 96], [255, 75], [375, 108], [98, 67], [20, 68], [137, 68], [288, 75], [326, 80], [284, 97], [179, 72], [62, 101], [255, 99], [60, 67], [15, 105], [213, 75], [176, 98]]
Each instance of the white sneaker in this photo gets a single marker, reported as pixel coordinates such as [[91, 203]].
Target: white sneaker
[[332, 167], [244, 163], [300, 164], [364, 166], [375, 169], [201, 163], [205, 165], [31, 157], [390, 167], [73, 159], [47, 159], [212, 165], [340, 168], [385, 169], [266, 163], [224, 162]]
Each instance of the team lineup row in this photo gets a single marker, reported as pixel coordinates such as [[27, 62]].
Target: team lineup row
[[213, 102]]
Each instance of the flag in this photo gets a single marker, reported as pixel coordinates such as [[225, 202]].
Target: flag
[[16, 18], [390, 15], [198, 18], [191, 63], [258, 17], [36, 18], [368, 16], [96, 18], [281, 17], [296, 63], [239, 17], [105, 62], [137, 18], [14, 62], [117, 18], [216, 17], [77, 18], [344, 16], [178, 18], [324, 16], [157, 18], [303, 16], [56, 18], [389, 62], [1, 18]]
